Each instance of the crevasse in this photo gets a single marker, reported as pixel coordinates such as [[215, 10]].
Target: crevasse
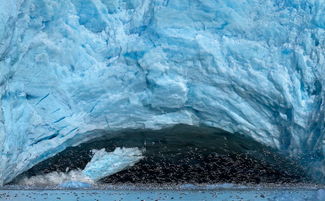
[[71, 69]]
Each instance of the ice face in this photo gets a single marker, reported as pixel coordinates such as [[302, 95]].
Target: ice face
[[71, 69]]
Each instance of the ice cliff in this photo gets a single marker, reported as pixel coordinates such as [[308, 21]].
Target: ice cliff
[[70, 69]]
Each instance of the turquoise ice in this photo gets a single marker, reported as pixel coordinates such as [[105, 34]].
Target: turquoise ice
[[71, 70], [104, 164]]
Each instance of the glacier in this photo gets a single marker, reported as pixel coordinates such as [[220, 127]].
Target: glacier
[[72, 70]]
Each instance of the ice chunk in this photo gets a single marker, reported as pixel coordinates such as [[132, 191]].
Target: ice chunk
[[104, 163], [75, 184], [101, 165]]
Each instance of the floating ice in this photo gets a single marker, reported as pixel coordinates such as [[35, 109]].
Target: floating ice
[[75, 184]]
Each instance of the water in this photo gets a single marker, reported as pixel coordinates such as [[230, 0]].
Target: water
[[154, 195], [224, 192]]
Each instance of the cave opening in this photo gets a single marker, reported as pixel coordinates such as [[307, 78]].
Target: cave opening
[[183, 154]]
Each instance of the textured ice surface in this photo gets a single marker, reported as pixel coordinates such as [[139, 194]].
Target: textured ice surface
[[105, 164], [74, 68]]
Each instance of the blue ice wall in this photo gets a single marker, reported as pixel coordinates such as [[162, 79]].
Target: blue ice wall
[[72, 68]]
